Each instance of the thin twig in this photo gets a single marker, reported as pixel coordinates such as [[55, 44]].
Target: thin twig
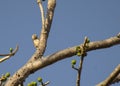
[[7, 56], [45, 84], [42, 13], [83, 47], [74, 67], [79, 72], [4, 58], [11, 54]]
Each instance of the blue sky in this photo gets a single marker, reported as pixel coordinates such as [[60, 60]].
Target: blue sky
[[73, 20]]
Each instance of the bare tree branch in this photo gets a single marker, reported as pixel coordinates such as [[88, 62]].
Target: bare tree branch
[[27, 70], [45, 31], [42, 13], [36, 62], [11, 54], [45, 28], [116, 80], [83, 54], [4, 58], [7, 56], [31, 67], [108, 81], [69, 52]]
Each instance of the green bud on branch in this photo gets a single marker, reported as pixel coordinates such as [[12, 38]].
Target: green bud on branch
[[7, 74], [39, 79], [29, 84], [78, 54], [73, 62], [78, 51], [33, 83], [3, 78], [11, 50]]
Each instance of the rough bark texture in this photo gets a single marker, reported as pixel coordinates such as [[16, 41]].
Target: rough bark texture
[[37, 60], [27, 69], [40, 63]]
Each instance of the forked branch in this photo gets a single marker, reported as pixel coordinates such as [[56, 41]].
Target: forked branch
[[46, 25], [35, 64], [81, 51]]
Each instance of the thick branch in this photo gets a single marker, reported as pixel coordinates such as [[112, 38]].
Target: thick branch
[[31, 67], [46, 28], [116, 80], [69, 52]]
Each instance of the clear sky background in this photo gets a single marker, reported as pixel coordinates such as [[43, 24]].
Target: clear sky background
[[73, 20]]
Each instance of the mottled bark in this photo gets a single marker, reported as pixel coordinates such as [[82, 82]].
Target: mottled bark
[[37, 60], [32, 66]]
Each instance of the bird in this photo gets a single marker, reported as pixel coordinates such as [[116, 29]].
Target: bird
[[35, 40]]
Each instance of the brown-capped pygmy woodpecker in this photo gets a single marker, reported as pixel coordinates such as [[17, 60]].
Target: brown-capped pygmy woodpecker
[[35, 40]]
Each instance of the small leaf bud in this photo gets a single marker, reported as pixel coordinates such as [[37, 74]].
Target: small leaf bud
[[39, 79], [29, 84], [78, 54], [73, 62], [7, 74], [11, 50]]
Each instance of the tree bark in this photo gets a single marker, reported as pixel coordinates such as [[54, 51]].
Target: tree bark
[[37, 60], [32, 66]]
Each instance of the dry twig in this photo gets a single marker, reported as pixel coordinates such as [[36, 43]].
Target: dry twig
[[7, 56]]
